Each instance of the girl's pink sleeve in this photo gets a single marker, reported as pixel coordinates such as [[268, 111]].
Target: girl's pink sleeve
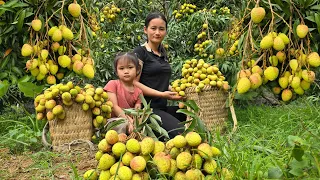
[[111, 86]]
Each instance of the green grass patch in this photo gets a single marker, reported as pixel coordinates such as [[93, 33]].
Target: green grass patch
[[260, 143]]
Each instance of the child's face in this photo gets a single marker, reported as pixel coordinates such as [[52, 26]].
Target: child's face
[[126, 70]]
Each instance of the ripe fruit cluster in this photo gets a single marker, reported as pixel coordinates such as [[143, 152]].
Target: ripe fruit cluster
[[203, 43], [289, 71], [224, 10], [183, 157], [50, 104], [110, 12], [197, 73], [52, 54], [185, 9]]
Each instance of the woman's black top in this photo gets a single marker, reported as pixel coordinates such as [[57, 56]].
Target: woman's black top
[[155, 73]]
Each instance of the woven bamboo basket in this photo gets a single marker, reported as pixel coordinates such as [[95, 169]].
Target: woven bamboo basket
[[212, 104], [75, 130]]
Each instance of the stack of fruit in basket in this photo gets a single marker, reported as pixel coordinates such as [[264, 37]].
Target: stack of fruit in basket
[[49, 105], [198, 73]]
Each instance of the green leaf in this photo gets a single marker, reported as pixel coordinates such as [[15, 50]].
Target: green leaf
[[296, 172], [295, 140], [186, 112], [25, 78], [30, 89], [113, 124], [11, 3], [143, 100], [316, 7], [250, 95], [164, 132], [155, 124], [4, 86], [297, 152], [149, 132], [156, 117], [294, 164], [21, 20], [193, 105], [274, 173], [317, 20], [311, 18]]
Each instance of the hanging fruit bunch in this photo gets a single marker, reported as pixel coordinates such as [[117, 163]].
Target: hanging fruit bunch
[[110, 12], [59, 46], [198, 74], [283, 59], [184, 10], [203, 41], [183, 157]]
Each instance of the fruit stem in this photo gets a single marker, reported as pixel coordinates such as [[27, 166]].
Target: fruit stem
[[272, 17]]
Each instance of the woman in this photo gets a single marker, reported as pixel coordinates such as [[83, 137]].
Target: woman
[[155, 74]]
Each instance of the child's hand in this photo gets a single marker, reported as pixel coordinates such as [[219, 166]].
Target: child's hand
[[130, 125], [137, 106]]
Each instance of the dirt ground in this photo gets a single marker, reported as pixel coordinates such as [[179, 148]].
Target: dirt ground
[[45, 165]]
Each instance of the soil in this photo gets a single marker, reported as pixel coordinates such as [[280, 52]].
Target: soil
[[45, 165]]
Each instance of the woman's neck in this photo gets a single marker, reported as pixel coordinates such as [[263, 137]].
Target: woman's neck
[[154, 47]]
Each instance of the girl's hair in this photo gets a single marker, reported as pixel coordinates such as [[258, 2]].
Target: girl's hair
[[154, 15], [128, 56]]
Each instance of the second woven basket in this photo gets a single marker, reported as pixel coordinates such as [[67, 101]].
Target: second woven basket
[[212, 104]]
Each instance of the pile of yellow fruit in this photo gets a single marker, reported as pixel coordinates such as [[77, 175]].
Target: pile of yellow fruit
[[110, 12], [50, 105], [198, 73], [181, 158], [185, 9], [51, 56], [290, 68]]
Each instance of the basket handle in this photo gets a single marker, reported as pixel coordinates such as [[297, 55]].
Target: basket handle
[[44, 136]]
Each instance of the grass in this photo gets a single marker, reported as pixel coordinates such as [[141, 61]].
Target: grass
[[257, 150], [261, 140]]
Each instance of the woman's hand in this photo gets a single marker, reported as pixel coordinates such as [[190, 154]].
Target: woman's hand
[[171, 95]]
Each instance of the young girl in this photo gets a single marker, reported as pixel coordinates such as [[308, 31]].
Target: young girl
[[122, 93]]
